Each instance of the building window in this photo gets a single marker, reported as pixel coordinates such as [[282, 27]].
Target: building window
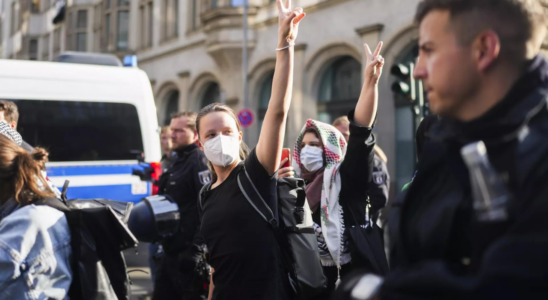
[[340, 89], [122, 31], [81, 42], [77, 30], [82, 19], [98, 44], [195, 18], [45, 47], [116, 25], [14, 26], [169, 19], [146, 22], [35, 6], [33, 49], [107, 32], [211, 94], [172, 106], [56, 42], [235, 3]]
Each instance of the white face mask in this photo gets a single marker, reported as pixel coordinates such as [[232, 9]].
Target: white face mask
[[312, 158], [222, 150]]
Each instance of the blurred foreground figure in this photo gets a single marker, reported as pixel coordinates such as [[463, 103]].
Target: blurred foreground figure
[[478, 60]]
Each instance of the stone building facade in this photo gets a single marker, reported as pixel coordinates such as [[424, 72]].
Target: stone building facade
[[192, 53]]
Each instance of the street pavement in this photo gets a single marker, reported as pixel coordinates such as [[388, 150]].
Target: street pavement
[[137, 263]]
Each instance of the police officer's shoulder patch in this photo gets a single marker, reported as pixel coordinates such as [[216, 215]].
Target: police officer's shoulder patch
[[205, 177], [379, 177]]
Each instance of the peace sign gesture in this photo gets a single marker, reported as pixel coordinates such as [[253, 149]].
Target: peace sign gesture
[[375, 62], [288, 22]]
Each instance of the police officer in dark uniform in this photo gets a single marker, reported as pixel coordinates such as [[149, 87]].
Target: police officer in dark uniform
[[178, 276], [379, 187], [478, 60]]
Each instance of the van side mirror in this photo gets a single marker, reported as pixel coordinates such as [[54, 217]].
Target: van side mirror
[[140, 156]]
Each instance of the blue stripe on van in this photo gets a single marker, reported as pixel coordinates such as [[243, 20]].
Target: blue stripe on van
[[93, 170], [111, 192]]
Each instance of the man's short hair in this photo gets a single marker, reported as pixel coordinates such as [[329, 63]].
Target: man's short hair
[[341, 121], [516, 22], [11, 113], [189, 115]]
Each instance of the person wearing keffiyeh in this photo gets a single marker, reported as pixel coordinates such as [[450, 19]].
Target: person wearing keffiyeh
[[9, 132], [337, 174]]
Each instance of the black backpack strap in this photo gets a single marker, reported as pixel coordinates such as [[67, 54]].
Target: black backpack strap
[[260, 206], [266, 213], [204, 189]]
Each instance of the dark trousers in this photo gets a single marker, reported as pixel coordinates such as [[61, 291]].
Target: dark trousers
[[331, 274], [178, 278]]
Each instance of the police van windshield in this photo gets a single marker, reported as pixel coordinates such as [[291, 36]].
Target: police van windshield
[[81, 131]]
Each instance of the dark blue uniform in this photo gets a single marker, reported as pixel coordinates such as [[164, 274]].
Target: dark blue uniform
[[177, 275]]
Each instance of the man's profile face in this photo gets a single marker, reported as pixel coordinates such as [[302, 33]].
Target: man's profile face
[[345, 130], [2, 116], [447, 68], [181, 134], [165, 141]]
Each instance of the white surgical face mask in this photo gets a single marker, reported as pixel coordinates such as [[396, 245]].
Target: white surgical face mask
[[312, 158], [222, 150]]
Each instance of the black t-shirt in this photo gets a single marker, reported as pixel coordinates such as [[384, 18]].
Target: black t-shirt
[[242, 247]]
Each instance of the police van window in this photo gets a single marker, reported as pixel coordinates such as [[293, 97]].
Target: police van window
[[81, 131]]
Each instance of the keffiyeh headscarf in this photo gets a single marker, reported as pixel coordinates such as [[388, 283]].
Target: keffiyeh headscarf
[[332, 222], [13, 135]]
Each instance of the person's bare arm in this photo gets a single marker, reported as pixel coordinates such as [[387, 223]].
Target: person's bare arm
[[366, 108], [269, 147]]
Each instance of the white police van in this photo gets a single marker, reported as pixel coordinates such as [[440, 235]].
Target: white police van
[[94, 120]]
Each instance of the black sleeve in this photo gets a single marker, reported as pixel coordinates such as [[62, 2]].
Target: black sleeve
[[265, 183], [379, 185], [356, 170], [513, 267]]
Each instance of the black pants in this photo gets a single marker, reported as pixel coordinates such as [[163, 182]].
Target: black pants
[[178, 277], [331, 274]]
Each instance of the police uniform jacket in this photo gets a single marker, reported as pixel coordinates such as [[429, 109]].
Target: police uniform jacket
[[440, 250], [182, 182], [379, 186]]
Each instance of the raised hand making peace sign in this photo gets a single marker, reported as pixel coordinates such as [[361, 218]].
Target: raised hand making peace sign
[[375, 62], [288, 22]]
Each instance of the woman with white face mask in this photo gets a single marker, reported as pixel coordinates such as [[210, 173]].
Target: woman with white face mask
[[337, 174], [242, 248]]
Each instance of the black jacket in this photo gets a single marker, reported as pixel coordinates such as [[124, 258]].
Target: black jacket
[[356, 171], [379, 186], [182, 182], [439, 249]]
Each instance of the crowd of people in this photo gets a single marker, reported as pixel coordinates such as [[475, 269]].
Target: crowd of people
[[485, 81]]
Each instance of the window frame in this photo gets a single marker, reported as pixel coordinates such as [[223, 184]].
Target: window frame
[[74, 30], [146, 23]]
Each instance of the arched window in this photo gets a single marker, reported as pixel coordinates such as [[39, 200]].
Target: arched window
[[340, 89], [211, 94], [265, 92], [172, 105]]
